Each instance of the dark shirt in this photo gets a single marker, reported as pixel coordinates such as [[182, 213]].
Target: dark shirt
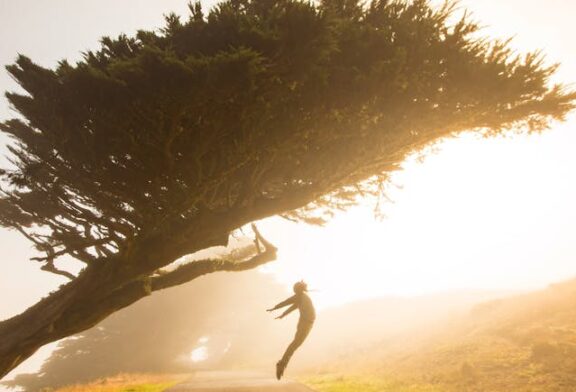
[[303, 303]]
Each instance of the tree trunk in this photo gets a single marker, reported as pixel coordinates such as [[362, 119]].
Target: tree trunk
[[75, 307], [105, 287]]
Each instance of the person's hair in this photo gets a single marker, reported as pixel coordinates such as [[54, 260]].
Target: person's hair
[[300, 286]]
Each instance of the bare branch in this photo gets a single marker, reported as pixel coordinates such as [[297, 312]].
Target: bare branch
[[50, 267], [198, 268], [51, 254]]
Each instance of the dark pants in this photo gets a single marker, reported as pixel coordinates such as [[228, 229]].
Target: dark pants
[[302, 331]]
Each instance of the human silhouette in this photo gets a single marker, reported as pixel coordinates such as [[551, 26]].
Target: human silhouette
[[301, 301]]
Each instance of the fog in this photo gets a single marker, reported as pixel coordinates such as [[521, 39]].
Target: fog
[[524, 241], [220, 322]]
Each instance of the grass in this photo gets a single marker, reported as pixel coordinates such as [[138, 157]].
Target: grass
[[127, 383], [361, 383]]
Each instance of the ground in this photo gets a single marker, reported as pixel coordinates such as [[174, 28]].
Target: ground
[[237, 382]]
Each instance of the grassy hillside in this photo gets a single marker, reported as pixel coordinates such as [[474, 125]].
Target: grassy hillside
[[521, 344], [362, 325], [127, 383], [365, 383]]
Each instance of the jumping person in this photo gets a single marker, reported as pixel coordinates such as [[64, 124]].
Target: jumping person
[[301, 301]]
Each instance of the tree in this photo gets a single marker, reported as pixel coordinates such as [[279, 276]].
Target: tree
[[219, 307], [160, 145]]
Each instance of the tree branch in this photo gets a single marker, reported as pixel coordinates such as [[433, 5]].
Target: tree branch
[[69, 250], [193, 270], [50, 267]]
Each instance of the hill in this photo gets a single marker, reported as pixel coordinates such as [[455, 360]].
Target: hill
[[524, 343], [235, 331]]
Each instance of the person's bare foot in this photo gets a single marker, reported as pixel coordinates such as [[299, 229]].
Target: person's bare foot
[[280, 370]]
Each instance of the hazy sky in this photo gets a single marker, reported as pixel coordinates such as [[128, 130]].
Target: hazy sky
[[487, 214]]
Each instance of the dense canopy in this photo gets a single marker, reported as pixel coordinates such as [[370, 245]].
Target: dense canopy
[[259, 102], [160, 145]]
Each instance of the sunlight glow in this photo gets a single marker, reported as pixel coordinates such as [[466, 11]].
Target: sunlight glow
[[478, 214], [199, 354], [488, 214]]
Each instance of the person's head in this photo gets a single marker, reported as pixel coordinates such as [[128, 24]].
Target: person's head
[[300, 287]]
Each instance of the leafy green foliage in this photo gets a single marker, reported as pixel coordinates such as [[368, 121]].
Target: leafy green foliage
[[160, 145], [259, 107]]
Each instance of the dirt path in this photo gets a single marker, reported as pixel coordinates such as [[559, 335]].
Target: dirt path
[[237, 382]]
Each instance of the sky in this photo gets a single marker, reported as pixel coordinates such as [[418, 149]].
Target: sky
[[489, 214]]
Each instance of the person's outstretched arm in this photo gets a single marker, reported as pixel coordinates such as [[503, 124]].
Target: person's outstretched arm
[[286, 302], [287, 311]]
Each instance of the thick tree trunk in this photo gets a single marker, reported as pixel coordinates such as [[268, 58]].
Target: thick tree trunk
[[102, 289], [74, 308]]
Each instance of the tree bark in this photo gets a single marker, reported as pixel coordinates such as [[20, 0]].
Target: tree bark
[[96, 293], [71, 309]]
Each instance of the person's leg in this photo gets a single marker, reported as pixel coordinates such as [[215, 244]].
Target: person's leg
[[302, 332]]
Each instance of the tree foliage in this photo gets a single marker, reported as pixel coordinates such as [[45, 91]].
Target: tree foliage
[[256, 102], [159, 145]]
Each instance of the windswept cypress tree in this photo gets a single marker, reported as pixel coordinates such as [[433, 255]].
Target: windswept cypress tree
[[159, 145]]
